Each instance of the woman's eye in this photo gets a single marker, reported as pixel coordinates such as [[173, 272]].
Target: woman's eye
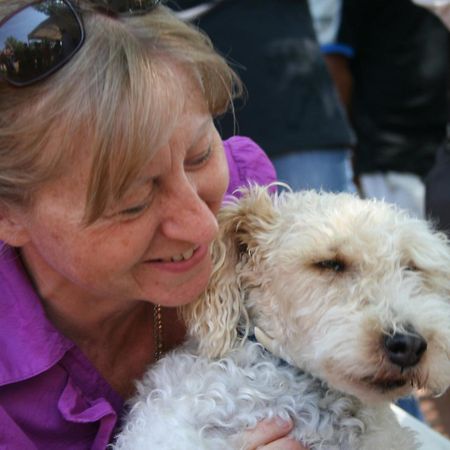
[[138, 202], [134, 210], [199, 160]]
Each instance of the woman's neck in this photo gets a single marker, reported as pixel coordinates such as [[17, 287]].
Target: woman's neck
[[117, 336], [72, 309]]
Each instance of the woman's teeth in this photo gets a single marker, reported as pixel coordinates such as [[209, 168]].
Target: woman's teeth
[[183, 256]]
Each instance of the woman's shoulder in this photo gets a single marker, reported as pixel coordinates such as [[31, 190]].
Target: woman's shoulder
[[29, 344], [247, 163], [40, 369]]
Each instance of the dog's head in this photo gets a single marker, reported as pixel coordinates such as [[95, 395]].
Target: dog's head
[[353, 291]]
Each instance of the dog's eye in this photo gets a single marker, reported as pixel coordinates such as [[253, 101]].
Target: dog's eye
[[411, 268], [331, 264]]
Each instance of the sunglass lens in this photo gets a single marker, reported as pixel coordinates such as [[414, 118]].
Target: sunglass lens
[[37, 40]]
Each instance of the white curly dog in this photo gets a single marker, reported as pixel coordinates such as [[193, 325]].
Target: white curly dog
[[350, 298]]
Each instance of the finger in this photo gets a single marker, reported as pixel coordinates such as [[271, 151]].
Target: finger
[[286, 443], [266, 432]]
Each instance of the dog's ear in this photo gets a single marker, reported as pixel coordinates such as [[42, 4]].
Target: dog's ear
[[429, 252], [214, 319]]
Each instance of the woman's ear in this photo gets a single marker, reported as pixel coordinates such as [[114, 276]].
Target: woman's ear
[[13, 230]]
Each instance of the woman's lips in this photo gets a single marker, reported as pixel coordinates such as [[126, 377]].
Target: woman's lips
[[183, 264]]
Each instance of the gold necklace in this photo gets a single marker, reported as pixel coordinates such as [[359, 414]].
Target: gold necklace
[[158, 331]]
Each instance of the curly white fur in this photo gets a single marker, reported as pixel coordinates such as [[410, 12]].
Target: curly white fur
[[327, 277]]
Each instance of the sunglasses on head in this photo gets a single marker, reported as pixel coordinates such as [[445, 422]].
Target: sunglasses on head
[[38, 39]]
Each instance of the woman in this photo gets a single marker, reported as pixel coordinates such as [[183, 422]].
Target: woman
[[111, 174]]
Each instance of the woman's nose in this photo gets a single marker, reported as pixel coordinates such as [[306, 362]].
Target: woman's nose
[[189, 218]]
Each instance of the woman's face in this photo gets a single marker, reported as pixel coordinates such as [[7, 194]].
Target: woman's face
[[153, 245]]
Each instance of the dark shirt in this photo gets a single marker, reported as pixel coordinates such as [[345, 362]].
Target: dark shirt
[[437, 193], [291, 101], [400, 68]]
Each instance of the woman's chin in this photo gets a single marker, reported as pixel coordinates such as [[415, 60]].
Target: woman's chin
[[182, 293]]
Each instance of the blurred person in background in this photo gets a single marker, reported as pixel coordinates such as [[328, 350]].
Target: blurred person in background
[[389, 62], [292, 108], [437, 193]]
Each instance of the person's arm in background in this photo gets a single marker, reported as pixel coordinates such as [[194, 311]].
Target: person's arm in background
[[326, 15], [339, 27], [339, 68]]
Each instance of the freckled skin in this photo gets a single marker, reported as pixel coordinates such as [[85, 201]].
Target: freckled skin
[[111, 259]]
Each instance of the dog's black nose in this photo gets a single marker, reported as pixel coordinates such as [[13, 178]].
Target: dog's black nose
[[405, 350]]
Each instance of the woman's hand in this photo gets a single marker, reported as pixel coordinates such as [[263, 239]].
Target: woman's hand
[[270, 435]]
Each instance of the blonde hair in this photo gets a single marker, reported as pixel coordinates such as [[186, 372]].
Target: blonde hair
[[117, 95]]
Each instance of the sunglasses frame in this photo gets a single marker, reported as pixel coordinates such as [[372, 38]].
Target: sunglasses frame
[[101, 7], [105, 8]]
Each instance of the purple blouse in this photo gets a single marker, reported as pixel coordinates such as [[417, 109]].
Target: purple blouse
[[51, 397]]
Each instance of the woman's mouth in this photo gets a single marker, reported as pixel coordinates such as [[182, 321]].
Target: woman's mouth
[[182, 256], [182, 261]]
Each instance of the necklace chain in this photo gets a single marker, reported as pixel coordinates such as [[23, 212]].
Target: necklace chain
[[158, 331]]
